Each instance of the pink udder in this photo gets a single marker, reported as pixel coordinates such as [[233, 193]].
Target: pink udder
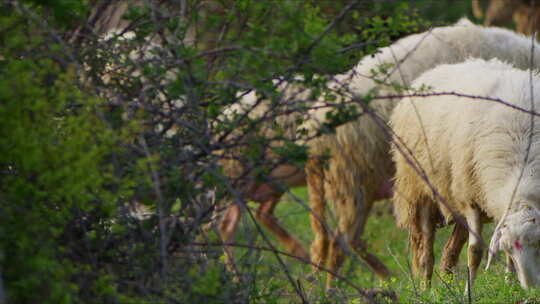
[[517, 244], [385, 190]]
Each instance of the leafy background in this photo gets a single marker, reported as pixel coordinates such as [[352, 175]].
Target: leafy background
[[84, 138]]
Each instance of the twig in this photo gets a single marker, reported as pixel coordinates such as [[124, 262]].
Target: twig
[[163, 239], [473, 97]]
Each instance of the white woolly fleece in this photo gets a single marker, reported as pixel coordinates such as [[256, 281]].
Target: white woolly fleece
[[472, 150]]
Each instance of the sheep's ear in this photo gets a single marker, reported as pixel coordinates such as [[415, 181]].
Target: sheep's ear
[[494, 245]]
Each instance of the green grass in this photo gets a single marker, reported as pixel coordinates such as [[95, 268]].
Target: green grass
[[385, 240]]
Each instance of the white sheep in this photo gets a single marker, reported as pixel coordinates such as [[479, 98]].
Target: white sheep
[[360, 167], [480, 158]]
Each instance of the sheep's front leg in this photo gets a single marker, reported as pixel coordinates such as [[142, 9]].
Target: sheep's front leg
[[509, 264], [510, 268], [474, 252], [422, 236], [354, 237]]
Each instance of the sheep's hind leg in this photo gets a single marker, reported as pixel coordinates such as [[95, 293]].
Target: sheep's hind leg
[[374, 263], [265, 215], [315, 182], [358, 245], [348, 218], [452, 248], [336, 256], [352, 217], [421, 237]]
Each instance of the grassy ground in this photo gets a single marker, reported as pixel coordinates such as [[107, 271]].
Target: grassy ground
[[387, 242]]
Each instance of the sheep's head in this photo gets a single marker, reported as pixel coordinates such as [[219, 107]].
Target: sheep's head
[[519, 237]]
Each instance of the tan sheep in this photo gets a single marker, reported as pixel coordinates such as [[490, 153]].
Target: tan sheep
[[281, 177], [474, 154]]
